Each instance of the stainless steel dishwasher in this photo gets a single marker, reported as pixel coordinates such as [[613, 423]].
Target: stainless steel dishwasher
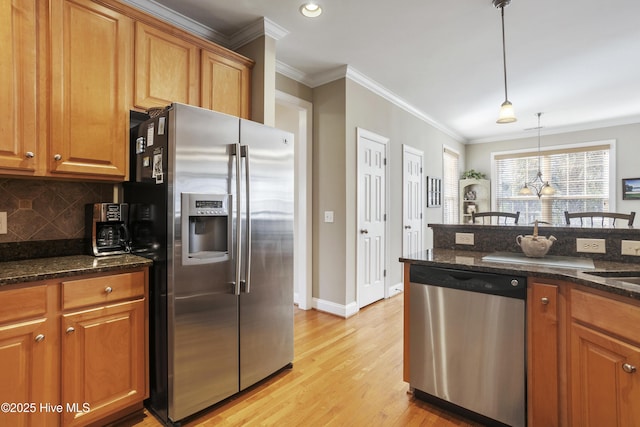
[[467, 343]]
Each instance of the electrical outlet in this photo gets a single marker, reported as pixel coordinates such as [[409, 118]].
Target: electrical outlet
[[630, 247], [328, 216], [464, 239], [591, 246], [3, 223]]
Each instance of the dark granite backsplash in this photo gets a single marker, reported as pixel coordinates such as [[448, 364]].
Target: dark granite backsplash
[[502, 238], [17, 251]]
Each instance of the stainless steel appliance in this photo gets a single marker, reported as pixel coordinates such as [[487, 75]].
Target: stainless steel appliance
[[106, 228], [211, 200], [467, 343]]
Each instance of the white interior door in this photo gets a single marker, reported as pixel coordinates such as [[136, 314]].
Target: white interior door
[[372, 183], [412, 200]]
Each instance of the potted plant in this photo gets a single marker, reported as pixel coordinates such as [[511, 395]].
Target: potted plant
[[472, 174]]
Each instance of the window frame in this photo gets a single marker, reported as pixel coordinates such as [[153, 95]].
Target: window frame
[[533, 151]]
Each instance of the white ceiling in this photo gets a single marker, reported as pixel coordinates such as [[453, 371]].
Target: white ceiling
[[577, 61]]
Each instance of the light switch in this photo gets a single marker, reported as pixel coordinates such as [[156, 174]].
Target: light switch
[[328, 216]]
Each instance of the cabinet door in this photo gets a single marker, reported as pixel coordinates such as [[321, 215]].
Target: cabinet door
[[91, 65], [103, 360], [27, 369], [605, 383], [166, 69], [18, 85], [543, 382], [225, 85]]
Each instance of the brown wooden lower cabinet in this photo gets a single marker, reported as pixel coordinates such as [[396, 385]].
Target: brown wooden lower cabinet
[[79, 365], [583, 356]]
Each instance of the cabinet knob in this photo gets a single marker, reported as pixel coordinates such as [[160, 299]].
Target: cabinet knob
[[70, 329], [57, 157], [629, 369], [407, 227], [29, 155], [544, 300], [39, 337], [364, 231], [108, 289]]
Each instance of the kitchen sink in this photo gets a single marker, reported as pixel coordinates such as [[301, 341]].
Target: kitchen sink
[[624, 276], [617, 274]]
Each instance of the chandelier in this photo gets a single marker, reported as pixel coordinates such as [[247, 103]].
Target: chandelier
[[537, 186]]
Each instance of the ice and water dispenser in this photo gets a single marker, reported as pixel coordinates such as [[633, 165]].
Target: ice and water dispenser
[[206, 229]]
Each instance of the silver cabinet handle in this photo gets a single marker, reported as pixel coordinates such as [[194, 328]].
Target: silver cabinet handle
[[407, 227], [39, 338], [70, 329], [108, 289], [544, 300], [629, 369], [29, 154], [364, 231], [57, 157]]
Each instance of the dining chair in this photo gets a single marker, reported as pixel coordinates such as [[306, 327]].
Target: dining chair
[[501, 218], [602, 216]]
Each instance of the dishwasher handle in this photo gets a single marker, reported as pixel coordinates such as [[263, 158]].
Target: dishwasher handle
[[473, 281]]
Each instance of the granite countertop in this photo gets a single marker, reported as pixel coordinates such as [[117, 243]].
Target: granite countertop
[[472, 261], [51, 268]]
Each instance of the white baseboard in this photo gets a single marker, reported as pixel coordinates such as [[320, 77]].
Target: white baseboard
[[334, 308], [396, 289]]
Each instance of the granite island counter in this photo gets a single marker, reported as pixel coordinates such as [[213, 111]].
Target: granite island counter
[[582, 322]]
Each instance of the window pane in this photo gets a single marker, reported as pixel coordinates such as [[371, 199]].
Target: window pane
[[580, 180], [450, 188]]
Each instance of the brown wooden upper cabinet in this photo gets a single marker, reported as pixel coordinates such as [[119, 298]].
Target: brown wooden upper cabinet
[[166, 69], [18, 37], [91, 51], [73, 69], [225, 85]]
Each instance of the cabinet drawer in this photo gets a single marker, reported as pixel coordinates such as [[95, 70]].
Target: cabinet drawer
[[103, 289], [23, 303], [608, 314]]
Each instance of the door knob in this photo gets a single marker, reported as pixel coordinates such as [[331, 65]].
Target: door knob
[[364, 231]]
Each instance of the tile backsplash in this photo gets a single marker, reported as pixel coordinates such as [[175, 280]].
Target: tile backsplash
[[48, 210]]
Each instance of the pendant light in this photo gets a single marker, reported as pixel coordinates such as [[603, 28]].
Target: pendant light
[[539, 186], [506, 115]]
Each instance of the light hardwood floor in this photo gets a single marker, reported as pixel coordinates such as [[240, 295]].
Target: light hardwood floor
[[346, 372]]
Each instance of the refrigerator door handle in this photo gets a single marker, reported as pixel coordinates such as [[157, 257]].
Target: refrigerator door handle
[[238, 269], [247, 265]]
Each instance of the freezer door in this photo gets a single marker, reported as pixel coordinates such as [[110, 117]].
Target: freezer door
[[202, 305], [266, 306]]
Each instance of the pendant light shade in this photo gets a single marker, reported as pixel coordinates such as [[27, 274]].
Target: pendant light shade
[[507, 115]]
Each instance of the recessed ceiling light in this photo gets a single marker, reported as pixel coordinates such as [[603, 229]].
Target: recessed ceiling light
[[311, 10]]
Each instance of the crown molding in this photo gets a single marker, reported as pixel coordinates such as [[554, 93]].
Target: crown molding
[[261, 27], [179, 20]]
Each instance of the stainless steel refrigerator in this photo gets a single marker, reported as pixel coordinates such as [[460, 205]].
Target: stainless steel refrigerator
[[211, 202]]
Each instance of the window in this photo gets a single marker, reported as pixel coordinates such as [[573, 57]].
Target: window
[[450, 214], [580, 176]]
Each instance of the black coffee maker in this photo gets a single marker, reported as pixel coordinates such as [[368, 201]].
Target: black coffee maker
[[106, 226]]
